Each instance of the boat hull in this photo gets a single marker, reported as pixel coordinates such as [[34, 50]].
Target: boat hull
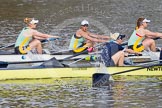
[[38, 57], [42, 73]]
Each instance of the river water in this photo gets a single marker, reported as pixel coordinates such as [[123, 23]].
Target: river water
[[63, 17], [137, 92]]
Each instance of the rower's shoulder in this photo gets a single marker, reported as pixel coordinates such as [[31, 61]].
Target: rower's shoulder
[[141, 31], [80, 32]]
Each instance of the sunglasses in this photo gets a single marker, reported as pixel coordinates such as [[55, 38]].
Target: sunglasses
[[86, 25], [121, 37]]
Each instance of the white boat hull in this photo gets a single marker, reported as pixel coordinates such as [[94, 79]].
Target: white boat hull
[[34, 57], [39, 57]]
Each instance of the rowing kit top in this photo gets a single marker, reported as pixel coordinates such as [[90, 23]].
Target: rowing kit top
[[108, 51], [21, 38], [77, 44], [23, 41], [136, 42]]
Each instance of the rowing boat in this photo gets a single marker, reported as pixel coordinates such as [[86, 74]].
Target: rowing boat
[[81, 69], [6, 74], [84, 70]]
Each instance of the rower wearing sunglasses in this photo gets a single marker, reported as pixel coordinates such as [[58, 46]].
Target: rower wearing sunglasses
[[29, 38], [113, 53], [83, 39]]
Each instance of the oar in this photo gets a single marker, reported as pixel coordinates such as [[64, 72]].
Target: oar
[[85, 51], [87, 58], [62, 52], [66, 58], [71, 51], [143, 67], [100, 79], [5, 64], [49, 39], [124, 43], [7, 46], [77, 54], [147, 62]]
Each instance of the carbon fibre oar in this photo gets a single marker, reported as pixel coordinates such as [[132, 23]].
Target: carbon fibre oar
[[143, 67], [130, 70], [7, 46], [77, 54], [102, 79], [5, 64]]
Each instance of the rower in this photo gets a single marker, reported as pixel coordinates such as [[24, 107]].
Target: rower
[[29, 38], [113, 52], [141, 38], [83, 39]]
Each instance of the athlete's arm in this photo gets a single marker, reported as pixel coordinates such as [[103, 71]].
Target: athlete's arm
[[85, 35], [98, 36], [153, 34], [39, 35]]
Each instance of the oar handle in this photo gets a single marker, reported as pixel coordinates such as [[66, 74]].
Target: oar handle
[[49, 39], [157, 38]]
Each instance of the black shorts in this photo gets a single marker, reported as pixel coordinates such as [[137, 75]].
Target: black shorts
[[131, 46], [17, 51], [110, 63], [81, 47]]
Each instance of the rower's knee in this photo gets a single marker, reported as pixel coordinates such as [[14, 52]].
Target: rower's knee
[[149, 42], [38, 42], [121, 53], [152, 42]]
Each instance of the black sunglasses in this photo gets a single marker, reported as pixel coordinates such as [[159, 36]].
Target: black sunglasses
[[85, 25], [121, 37]]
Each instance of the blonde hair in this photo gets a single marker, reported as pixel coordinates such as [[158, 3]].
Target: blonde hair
[[139, 22], [28, 20]]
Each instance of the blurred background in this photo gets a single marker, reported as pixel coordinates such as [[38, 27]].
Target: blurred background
[[63, 17]]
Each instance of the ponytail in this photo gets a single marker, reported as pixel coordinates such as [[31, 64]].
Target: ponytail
[[139, 22], [27, 20]]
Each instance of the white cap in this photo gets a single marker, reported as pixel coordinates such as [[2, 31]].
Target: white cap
[[84, 22], [146, 20], [114, 36], [33, 21]]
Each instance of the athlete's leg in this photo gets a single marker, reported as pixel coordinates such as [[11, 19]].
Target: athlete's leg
[[149, 43], [118, 58], [36, 44]]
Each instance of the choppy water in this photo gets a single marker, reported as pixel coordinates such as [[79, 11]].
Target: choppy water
[[73, 93], [63, 17]]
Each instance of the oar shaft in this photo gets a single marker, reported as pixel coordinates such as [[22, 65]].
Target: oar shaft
[[77, 54], [139, 68], [11, 45], [39, 61]]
